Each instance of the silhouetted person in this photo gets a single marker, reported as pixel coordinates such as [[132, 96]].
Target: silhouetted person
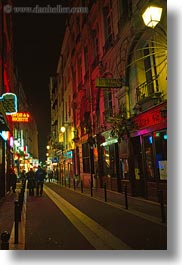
[[31, 181], [50, 175], [13, 179], [23, 176], [39, 180]]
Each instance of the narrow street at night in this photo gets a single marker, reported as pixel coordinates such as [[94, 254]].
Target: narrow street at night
[[65, 218], [84, 137]]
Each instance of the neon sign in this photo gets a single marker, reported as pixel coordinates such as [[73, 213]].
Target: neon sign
[[21, 117], [9, 101]]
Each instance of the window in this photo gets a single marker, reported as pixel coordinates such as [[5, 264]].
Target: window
[[108, 103], [148, 157], [148, 70], [95, 53], [86, 157], [79, 66], [108, 28], [160, 139], [96, 44], [109, 159], [86, 62]]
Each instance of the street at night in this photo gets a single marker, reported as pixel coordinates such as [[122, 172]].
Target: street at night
[[65, 218], [84, 135]]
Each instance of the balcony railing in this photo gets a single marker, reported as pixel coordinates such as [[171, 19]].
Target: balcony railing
[[147, 94]]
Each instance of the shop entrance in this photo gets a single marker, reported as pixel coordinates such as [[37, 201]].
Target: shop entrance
[[138, 184]]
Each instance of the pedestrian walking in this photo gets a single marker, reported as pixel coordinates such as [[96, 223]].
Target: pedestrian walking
[[31, 181], [50, 175], [13, 179], [39, 180], [23, 176]]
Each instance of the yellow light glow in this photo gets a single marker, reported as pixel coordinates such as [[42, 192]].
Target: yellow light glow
[[63, 129], [152, 16]]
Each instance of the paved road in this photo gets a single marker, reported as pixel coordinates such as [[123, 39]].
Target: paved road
[[65, 219]]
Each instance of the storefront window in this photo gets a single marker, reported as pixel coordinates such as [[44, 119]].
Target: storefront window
[[124, 168], [109, 165], [148, 151], [106, 161], [86, 157], [160, 139]]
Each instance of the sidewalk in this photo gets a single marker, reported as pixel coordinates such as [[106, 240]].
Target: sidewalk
[[7, 210], [137, 205]]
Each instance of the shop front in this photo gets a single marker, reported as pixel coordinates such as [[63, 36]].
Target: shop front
[[109, 158], [5, 152], [67, 168], [148, 154]]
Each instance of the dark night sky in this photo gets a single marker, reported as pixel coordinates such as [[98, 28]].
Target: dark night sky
[[37, 43]]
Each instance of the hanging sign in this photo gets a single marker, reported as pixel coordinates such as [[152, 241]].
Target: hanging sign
[[21, 117], [9, 101], [108, 82], [3, 119]]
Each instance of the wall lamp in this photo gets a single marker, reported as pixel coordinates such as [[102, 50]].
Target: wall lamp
[[152, 16], [63, 127]]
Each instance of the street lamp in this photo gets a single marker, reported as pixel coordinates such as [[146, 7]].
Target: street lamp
[[152, 16], [63, 129]]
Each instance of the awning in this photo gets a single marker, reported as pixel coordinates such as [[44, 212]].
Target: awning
[[108, 138], [3, 119]]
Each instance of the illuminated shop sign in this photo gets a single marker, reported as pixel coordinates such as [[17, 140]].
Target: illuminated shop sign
[[3, 119], [68, 155], [21, 117], [149, 118], [9, 101]]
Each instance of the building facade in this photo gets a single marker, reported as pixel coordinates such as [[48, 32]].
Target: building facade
[[13, 135], [112, 86]]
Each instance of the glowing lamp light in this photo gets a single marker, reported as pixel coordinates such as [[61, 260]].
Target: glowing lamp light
[[63, 129], [11, 141], [152, 16], [5, 135]]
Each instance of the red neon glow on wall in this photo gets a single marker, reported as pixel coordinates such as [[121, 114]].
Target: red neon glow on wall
[[6, 83]]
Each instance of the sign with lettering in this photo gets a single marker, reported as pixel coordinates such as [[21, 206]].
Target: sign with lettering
[[21, 117], [163, 169], [108, 82], [149, 118], [9, 101], [3, 119]]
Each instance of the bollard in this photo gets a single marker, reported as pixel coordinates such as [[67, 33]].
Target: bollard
[[126, 198], [20, 201], [81, 186], [74, 186], [91, 189], [69, 182], [161, 200], [17, 216], [5, 236], [105, 192], [65, 182]]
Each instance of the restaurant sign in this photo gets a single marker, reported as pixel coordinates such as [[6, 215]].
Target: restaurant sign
[[150, 118]]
